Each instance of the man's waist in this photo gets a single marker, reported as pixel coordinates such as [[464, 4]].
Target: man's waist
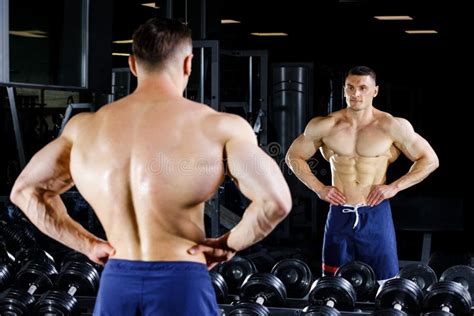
[[360, 207]]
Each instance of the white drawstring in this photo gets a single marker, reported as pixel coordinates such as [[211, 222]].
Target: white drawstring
[[353, 209]]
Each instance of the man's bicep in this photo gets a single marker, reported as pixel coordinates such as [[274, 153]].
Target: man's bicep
[[303, 147], [48, 171], [417, 148], [256, 173]]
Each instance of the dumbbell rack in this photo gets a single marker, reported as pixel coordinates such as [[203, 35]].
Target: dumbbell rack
[[85, 304], [295, 307]]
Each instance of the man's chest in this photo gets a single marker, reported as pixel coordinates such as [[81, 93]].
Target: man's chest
[[366, 142]]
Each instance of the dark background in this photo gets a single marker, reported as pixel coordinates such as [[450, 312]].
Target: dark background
[[421, 78]]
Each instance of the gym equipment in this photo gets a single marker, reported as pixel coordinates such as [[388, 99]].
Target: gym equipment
[[15, 302], [6, 267], [235, 271], [398, 297], [361, 276], [76, 278], [448, 297], [32, 254], [220, 287], [33, 278], [332, 292], [79, 257], [16, 236], [320, 311], [462, 274], [258, 291], [263, 288], [249, 309], [419, 273], [295, 275]]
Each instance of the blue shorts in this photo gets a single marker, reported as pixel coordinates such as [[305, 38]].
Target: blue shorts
[[362, 233], [155, 288]]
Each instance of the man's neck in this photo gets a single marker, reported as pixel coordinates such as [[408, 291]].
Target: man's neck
[[162, 83], [360, 117]]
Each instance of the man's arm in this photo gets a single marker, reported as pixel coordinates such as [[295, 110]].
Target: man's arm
[[302, 149], [36, 192], [260, 179], [415, 148]]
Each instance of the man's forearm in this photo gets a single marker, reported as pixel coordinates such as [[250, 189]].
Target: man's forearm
[[258, 221], [50, 216], [418, 172], [303, 172]]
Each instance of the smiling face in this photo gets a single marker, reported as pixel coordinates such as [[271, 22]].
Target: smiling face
[[359, 91]]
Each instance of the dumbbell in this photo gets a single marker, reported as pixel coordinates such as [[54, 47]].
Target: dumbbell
[[235, 271], [16, 236], [320, 311], [35, 277], [295, 275], [220, 286], [462, 274], [6, 267], [258, 291], [419, 273], [447, 298], [398, 297], [330, 294], [76, 278], [35, 254], [361, 276], [79, 257]]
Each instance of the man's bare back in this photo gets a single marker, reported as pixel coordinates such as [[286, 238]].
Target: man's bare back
[[148, 162], [139, 160]]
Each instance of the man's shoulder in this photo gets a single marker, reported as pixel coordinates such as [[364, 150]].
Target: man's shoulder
[[76, 124], [320, 124], [231, 123], [391, 122]]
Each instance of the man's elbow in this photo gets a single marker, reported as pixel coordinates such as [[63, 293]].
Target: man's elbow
[[283, 206], [289, 157], [434, 163], [19, 192]]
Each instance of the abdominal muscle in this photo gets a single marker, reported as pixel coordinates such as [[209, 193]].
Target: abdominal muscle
[[356, 176]]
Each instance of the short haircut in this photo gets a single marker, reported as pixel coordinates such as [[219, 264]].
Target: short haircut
[[362, 71], [157, 40]]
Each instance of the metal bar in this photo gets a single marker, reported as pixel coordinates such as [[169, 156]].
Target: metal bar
[[16, 127], [201, 75], [215, 82], [426, 247], [4, 42], [250, 84], [264, 97], [169, 9]]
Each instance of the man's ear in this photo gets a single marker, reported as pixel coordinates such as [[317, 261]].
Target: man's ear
[[132, 63], [376, 91], [188, 63]]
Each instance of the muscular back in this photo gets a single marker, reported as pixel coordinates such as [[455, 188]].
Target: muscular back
[[146, 167]]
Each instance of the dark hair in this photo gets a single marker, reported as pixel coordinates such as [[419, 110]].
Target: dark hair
[[157, 39], [362, 71]]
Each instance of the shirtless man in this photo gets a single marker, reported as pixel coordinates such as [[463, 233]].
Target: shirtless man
[[360, 142], [146, 164]]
